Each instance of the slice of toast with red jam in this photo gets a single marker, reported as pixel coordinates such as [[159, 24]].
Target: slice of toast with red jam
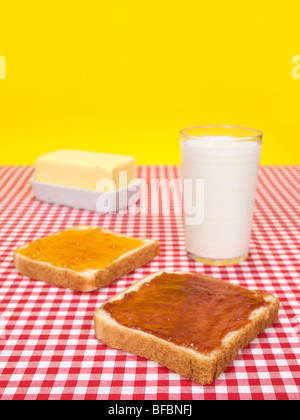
[[193, 324]]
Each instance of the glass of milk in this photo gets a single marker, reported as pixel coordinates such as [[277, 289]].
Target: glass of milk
[[219, 168]]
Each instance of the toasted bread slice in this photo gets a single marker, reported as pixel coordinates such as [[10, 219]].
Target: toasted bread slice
[[29, 263], [196, 338]]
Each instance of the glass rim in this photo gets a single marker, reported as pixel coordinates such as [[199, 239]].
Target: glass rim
[[258, 134]]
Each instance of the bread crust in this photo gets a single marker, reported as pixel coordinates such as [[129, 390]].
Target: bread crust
[[90, 280], [199, 367]]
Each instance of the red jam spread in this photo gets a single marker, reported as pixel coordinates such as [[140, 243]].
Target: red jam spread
[[80, 249], [189, 310]]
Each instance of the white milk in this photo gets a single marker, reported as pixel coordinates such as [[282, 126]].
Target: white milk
[[229, 169]]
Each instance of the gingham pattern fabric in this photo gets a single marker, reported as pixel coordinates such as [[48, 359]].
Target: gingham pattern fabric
[[48, 349]]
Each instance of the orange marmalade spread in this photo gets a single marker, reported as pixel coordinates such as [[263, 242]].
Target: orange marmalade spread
[[189, 310], [80, 249]]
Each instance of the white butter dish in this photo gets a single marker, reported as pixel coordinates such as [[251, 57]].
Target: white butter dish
[[97, 201]]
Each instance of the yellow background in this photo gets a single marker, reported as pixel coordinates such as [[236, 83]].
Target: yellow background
[[126, 76]]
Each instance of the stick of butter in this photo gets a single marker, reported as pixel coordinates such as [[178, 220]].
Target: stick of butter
[[87, 170]]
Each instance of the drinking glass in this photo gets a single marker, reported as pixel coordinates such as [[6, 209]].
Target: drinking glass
[[219, 169]]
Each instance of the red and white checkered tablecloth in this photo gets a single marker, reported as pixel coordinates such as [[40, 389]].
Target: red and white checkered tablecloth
[[47, 345]]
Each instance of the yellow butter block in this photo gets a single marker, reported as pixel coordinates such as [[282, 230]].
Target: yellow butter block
[[88, 170]]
